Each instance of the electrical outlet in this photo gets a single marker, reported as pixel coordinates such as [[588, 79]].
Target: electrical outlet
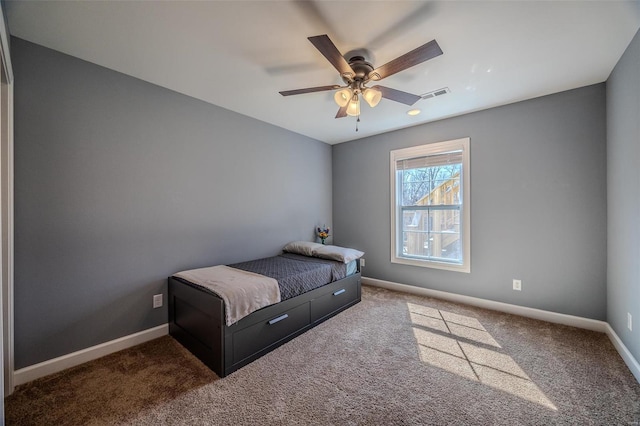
[[517, 285], [629, 322], [362, 262], [157, 301]]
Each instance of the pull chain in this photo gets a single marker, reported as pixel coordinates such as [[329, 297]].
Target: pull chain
[[357, 121]]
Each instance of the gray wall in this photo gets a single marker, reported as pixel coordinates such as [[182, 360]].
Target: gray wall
[[623, 196], [120, 183], [538, 202]]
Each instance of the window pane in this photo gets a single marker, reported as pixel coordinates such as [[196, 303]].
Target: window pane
[[445, 234], [432, 234], [447, 246], [431, 185]]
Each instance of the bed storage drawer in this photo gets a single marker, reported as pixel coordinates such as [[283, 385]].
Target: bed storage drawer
[[259, 336], [340, 295]]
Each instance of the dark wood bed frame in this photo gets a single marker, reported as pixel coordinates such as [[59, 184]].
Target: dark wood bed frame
[[197, 321]]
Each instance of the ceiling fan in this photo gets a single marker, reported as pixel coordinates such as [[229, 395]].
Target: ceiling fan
[[357, 73]]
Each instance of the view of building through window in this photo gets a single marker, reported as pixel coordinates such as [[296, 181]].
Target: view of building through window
[[430, 208]]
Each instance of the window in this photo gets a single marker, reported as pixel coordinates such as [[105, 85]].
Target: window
[[430, 206]]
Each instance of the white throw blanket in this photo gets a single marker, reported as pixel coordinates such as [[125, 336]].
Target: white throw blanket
[[243, 292]]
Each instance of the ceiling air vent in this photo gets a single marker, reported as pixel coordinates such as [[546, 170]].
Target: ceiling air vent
[[435, 93]]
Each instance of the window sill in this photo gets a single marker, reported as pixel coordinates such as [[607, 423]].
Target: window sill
[[432, 264]]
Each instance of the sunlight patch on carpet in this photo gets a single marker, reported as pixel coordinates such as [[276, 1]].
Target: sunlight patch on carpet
[[462, 346]]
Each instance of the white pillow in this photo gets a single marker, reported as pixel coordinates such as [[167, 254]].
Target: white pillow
[[340, 254], [304, 248]]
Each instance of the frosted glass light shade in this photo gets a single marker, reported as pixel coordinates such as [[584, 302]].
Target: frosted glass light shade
[[342, 97], [372, 96], [353, 109]]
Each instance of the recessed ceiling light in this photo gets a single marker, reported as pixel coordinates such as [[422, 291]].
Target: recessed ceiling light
[[413, 112]]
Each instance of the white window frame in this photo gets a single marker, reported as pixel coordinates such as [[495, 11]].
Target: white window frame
[[465, 210]]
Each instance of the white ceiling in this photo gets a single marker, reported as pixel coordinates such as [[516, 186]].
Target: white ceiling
[[240, 54]]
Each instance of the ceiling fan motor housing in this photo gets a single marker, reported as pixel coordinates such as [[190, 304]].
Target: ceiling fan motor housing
[[361, 67]]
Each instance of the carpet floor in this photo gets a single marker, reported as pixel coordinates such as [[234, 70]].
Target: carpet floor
[[393, 359]]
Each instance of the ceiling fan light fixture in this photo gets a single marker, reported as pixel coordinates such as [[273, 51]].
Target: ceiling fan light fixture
[[353, 109], [342, 97], [372, 96]]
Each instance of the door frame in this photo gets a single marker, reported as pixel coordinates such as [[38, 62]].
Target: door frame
[[6, 210]]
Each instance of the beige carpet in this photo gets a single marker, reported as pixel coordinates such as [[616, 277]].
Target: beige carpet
[[393, 359]]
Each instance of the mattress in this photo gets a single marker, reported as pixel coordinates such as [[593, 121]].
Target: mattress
[[297, 274]]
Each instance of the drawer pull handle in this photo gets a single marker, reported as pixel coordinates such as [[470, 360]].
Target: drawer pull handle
[[280, 318], [339, 292]]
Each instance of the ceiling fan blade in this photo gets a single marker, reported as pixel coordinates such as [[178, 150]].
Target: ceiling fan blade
[[314, 15], [422, 12], [324, 44], [398, 95], [342, 112], [416, 56], [308, 90], [283, 69]]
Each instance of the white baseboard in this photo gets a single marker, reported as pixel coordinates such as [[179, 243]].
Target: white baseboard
[[631, 362], [522, 311], [539, 314], [55, 365]]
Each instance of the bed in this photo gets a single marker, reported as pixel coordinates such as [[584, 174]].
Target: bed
[[315, 282]]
